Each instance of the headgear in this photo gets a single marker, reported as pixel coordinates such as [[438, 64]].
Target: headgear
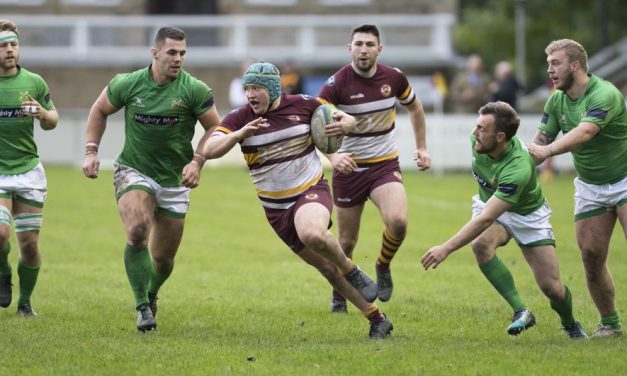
[[265, 75]]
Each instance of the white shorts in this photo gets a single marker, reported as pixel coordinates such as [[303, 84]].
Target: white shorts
[[531, 230], [592, 199], [29, 188], [171, 201]]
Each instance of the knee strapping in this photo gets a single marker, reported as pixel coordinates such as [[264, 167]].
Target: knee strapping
[[5, 215], [28, 222]]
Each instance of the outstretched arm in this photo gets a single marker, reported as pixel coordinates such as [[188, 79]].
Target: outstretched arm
[[219, 144], [544, 146], [96, 124], [417, 120], [492, 210]]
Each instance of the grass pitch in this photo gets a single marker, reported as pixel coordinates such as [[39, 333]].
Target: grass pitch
[[239, 302]]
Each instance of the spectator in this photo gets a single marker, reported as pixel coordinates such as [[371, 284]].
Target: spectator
[[292, 81], [469, 89], [505, 87]]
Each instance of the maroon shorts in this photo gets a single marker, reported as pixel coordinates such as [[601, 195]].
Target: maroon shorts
[[282, 220], [355, 188]]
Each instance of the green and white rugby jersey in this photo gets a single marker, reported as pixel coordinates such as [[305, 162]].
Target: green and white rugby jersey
[[159, 122], [18, 152], [512, 178], [603, 159]]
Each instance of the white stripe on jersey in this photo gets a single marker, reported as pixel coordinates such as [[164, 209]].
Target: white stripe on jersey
[[356, 109], [262, 139], [369, 147], [287, 175], [409, 97]]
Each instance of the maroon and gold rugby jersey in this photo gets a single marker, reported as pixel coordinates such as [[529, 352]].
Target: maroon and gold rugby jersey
[[371, 100], [281, 158]]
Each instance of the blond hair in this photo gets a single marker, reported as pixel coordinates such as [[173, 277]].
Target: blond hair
[[574, 51]]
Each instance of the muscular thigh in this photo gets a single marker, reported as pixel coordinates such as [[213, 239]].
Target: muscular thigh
[[391, 200], [594, 233], [136, 207]]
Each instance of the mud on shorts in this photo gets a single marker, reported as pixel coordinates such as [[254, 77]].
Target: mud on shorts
[[171, 201], [355, 188], [282, 220], [593, 199], [531, 230]]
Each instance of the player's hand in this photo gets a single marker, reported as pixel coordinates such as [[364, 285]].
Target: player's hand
[[191, 175], [91, 165], [343, 162], [423, 160], [32, 108], [434, 257], [539, 153], [344, 124], [252, 127]]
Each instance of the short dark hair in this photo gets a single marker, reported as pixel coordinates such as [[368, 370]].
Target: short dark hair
[[168, 32], [366, 29], [8, 25], [506, 119]]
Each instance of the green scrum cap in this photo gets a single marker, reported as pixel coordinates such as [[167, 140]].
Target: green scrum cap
[[265, 75]]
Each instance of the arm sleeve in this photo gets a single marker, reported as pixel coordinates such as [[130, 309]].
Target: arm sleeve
[[549, 123], [512, 181]]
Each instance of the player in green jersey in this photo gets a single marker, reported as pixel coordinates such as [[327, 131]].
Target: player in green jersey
[[592, 115], [510, 205], [24, 97], [157, 167]]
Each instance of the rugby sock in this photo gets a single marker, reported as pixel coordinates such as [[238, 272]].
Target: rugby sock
[[156, 279], [372, 313], [137, 263], [337, 295], [389, 246], [565, 309], [28, 279], [500, 277], [612, 320], [5, 266]]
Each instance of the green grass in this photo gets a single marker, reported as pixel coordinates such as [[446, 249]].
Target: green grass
[[239, 302]]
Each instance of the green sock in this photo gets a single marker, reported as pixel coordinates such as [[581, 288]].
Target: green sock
[[612, 320], [565, 309], [156, 279], [137, 264], [5, 266], [500, 277], [28, 279]]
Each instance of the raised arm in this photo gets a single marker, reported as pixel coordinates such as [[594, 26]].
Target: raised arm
[[219, 143]]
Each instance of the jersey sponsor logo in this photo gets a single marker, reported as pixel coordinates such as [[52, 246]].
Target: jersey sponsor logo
[[331, 81], [563, 119], [386, 90], [294, 118], [156, 120], [10, 113], [311, 196], [344, 199], [138, 102], [357, 96], [508, 189], [481, 181], [597, 113]]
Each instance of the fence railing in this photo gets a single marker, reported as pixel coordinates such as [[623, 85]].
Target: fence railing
[[312, 40]]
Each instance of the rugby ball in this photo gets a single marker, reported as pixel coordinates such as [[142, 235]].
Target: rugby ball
[[321, 117]]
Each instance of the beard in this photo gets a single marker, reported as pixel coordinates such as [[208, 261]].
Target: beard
[[567, 82]]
